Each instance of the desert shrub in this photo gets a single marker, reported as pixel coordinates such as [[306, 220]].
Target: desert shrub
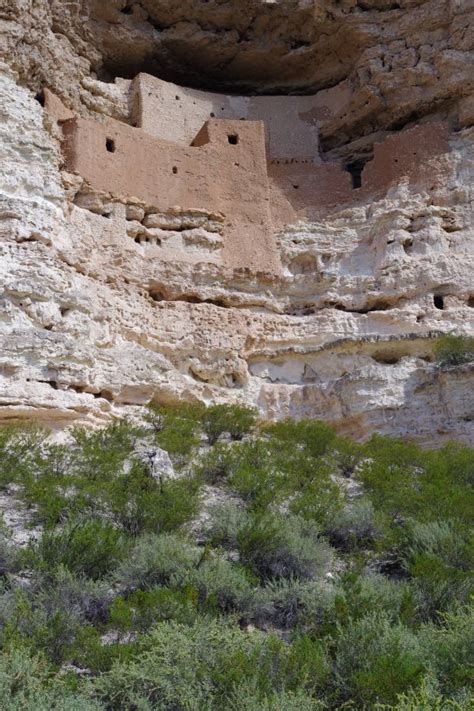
[[353, 526], [428, 698], [360, 595], [454, 350], [50, 627], [199, 667], [218, 463], [236, 420], [20, 452], [220, 585], [245, 698], [312, 437], [177, 428], [28, 684], [143, 608], [256, 476], [88, 547], [277, 546], [439, 557], [346, 455], [101, 454], [156, 560], [9, 557], [448, 649], [225, 522], [375, 661], [139, 503], [289, 603]]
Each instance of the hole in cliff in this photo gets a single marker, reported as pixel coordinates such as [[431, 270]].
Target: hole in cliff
[[233, 139], [438, 301], [385, 358], [470, 302], [127, 10], [175, 170], [212, 115], [177, 98], [40, 97], [408, 246], [110, 145], [355, 169], [296, 187]]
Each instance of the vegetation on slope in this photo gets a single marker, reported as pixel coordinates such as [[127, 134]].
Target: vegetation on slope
[[283, 568]]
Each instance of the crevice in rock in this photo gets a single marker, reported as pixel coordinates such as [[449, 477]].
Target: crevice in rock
[[160, 295]]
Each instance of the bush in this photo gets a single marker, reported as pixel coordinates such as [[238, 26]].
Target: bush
[[143, 608], [218, 463], [92, 548], [177, 429], [448, 650], [439, 557], [353, 526], [274, 546], [376, 660], [309, 436], [27, 684], [454, 350], [156, 560], [224, 525], [236, 420], [201, 666], [220, 585]]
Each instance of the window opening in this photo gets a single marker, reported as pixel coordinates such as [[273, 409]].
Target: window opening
[[233, 139], [110, 145]]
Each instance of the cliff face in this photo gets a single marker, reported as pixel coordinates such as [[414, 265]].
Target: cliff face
[[95, 324]]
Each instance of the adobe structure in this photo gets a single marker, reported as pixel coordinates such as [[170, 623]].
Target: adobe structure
[[242, 167]]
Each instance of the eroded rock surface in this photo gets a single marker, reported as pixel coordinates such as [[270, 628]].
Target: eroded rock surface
[[94, 323]]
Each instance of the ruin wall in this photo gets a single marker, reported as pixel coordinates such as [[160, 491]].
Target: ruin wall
[[175, 113], [226, 174]]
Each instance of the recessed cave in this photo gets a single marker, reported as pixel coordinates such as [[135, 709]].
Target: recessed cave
[[355, 169], [438, 302]]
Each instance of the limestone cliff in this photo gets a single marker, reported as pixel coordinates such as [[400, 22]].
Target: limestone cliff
[[97, 320]]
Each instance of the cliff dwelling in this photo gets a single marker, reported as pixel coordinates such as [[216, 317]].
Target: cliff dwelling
[[248, 165]]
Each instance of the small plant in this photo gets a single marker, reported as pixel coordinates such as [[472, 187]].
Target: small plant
[[236, 420], [92, 548], [156, 560], [283, 547], [454, 350]]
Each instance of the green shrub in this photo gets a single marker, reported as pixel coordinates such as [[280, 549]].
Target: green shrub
[[27, 684], [156, 560], [375, 661], [220, 585], [236, 420], [92, 548], [353, 526], [20, 452], [277, 546], [454, 350], [143, 608], [247, 699], [448, 649], [218, 463], [362, 594], [311, 437], [289, 603], [177, 428], [201, 666], [224, 524], [428, 698]]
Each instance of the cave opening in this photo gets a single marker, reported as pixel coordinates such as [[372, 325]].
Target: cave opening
[[355, 169], [438, 301]]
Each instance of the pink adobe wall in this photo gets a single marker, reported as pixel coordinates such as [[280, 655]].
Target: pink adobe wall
[[405, 154], [176, 113], [217, 176]]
